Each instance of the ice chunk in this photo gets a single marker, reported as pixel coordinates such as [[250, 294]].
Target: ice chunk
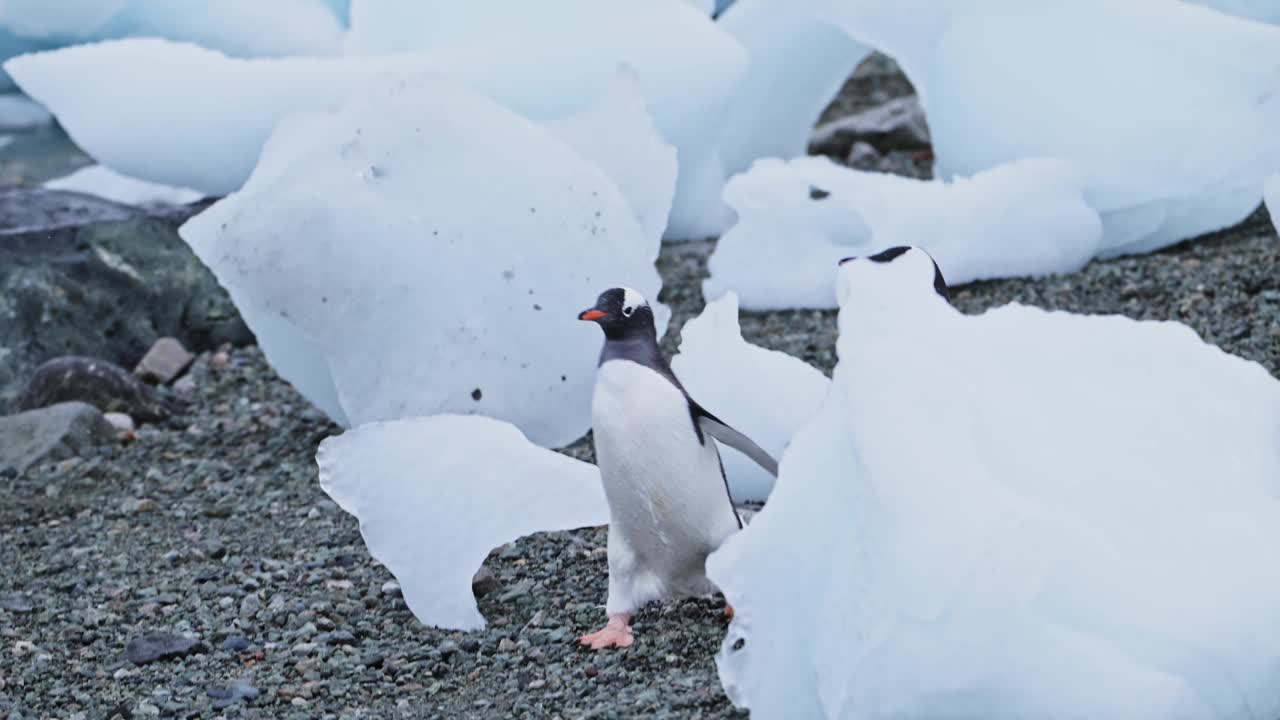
[[765, 394], [1262, 10], [618, 135], [435, 495], [450, 276], [18, 113], [797, 219], [104, 183], [242, 28], [1018, 514], [568, 51], [1172, 125], [178, 114], [1271, 191], [799, 60]]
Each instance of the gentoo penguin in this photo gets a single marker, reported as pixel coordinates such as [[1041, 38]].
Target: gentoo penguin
[[669, 502]]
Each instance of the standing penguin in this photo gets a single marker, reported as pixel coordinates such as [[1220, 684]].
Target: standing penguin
[[669, 503]]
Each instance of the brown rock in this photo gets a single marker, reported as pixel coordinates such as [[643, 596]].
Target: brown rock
[[164, 361]]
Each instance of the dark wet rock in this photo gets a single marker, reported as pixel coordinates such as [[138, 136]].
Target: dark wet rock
[[898, 124], [83, 276], [102, 384], [56, 432], [164, 362], [160, 646]]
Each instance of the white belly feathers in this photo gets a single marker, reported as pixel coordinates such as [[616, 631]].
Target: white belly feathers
[[667, 498]]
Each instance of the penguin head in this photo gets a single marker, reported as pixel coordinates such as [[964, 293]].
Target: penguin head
[[622, 313], [874, 279]]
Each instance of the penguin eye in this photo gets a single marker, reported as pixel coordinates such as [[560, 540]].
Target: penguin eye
[[627, 311]]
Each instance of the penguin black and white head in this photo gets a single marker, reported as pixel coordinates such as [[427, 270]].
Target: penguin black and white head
[[623, 314], [897, 277]]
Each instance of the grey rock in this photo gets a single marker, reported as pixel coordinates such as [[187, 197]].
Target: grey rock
[[15, 602], [166, 359], [896, 125], [83, 276], [100, 383], [236, 643], [485, 582], [224, 697], [51, 433], [160, 646]]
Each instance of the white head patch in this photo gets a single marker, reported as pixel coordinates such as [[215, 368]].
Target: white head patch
[[632, 301]]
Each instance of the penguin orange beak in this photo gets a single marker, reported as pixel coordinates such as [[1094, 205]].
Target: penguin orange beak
[[592, 314]]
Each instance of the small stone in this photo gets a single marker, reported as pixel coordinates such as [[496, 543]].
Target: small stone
[[590, 671], [505, 645], [537, 684], [141, 505], [224, 697], [236, 644], [485, 582], [164, 361], [15, 603], [219, 360], [391, 587], [160, 646], [121, 422], [862, 156], [185, 386], [341, 637]]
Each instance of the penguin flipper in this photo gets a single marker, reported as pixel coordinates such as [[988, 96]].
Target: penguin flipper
[[720, 430]]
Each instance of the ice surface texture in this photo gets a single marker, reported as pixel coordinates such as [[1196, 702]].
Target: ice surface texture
[[449, 278], [723, 93], [242, 28], [105, 183], [1170, 115], [797, 219], [1018, 514], [435, 495], [764, 394]]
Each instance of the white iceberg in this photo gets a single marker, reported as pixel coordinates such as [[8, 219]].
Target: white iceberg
[[799, 61], [449, 277], [105, 183], [1172, 125], [797, 219], [1261, 10], [435, 495], [1017, 514], [764, 394], [181, 115], [549, 59], [242, 28]]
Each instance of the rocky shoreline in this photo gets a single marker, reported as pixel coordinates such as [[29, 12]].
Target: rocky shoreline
[[199, 570]]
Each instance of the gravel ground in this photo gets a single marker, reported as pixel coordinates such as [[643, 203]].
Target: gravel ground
[[212, 527]]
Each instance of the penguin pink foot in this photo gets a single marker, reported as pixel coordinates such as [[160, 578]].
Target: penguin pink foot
[[617, 633]]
